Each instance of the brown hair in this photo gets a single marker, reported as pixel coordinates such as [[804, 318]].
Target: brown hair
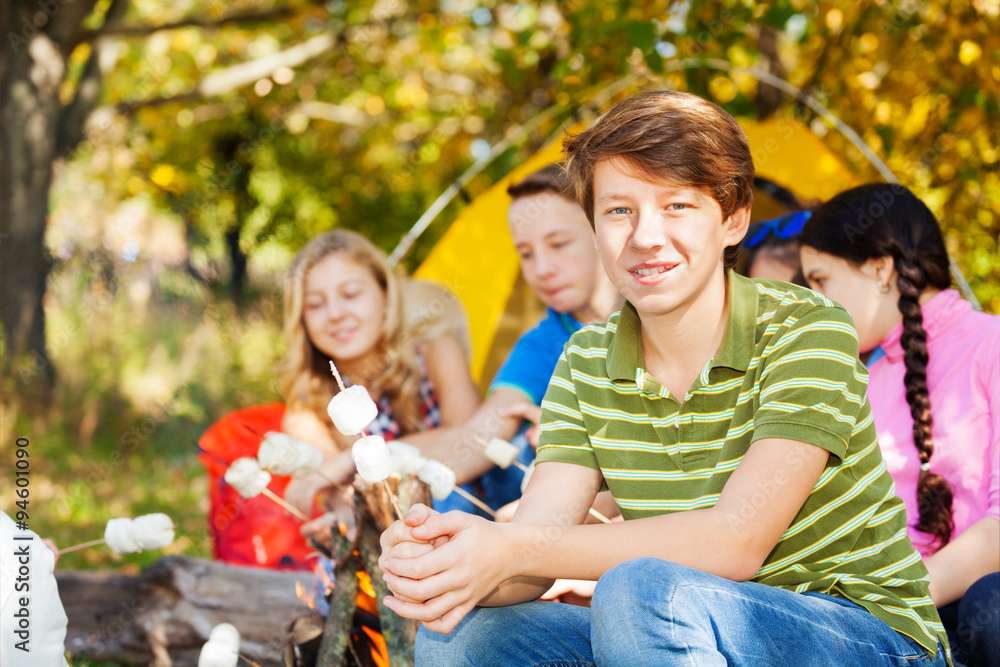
[[306, 381], [552, 178], [887, 220], [665, 135]]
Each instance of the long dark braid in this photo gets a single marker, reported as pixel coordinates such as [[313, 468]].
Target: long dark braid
[[934, 497], [883, 220]]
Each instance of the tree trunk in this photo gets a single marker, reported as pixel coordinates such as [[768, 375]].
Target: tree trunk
[[238, 262], [29, 120], [163, 616], [36, 130]]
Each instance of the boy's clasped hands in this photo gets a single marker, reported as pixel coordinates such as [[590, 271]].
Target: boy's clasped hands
[[439, 566]]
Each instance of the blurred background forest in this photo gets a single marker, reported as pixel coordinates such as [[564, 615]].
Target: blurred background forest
[[163, 161]]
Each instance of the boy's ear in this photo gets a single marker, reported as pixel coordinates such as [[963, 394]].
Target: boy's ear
[[737, 225]]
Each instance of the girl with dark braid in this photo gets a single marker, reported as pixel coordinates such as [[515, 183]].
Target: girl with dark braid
[[935, 393]]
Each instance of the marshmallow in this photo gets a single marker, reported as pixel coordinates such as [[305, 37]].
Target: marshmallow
[[439, 477], [216, 654], [225, 634], [501, 452], [278, 453], [152, 531], [118, 536], [245, 475], [372, 459], [352, 410], [406, 459], [527, 476], [308, 459]]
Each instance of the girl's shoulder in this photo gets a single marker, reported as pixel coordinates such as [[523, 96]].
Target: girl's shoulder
[[966, 330]]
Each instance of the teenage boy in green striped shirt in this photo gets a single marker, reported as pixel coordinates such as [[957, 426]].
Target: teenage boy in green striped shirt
[[728, 418]]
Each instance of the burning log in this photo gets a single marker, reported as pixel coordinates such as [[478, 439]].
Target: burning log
[[353, 635], [304, 638]]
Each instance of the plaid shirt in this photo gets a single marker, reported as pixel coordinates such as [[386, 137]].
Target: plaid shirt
[[385, 424]]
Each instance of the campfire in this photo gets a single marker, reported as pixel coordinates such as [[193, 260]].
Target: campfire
[[357, 630]]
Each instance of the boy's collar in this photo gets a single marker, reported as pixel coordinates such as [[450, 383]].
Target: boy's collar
[[735, 351], [740, 339], [625, 349]]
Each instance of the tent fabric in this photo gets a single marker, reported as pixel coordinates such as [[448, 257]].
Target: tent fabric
[[255, 531], [476, 259]]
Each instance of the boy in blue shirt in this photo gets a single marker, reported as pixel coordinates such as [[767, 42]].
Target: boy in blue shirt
[[559, 262]]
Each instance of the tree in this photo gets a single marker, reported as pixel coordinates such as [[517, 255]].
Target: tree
[[44, 106], [37, 128], [340, 113]]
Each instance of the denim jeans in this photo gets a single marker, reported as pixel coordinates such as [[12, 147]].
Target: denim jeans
[[652, 612], [973, 624]]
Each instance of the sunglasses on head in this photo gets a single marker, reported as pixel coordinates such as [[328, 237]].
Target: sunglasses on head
[[787, 226]]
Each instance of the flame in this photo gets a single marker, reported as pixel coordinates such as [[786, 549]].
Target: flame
[[365, 582], [366, 593], [303, 594], [380, 654]]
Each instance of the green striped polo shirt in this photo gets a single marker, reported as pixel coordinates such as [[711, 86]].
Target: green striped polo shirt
[[787, 367]]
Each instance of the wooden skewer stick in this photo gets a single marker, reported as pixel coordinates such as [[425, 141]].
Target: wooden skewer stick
[[336, 375], [248, 660], [523, 468], [294, 511], [468, 496], [594, 513], [597, 515], [364, 436], [475, 501], [392, 498], [77, 547]]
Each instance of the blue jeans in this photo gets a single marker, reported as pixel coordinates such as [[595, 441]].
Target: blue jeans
[[973, 624], [652, 612]]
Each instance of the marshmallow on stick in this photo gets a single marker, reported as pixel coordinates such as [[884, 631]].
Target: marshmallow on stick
[[118, 536], [222, 648], [247, 477], [442, 480], [281, 454], [217, 654], [352, 410], [250, 480], [371, 457], [406, 459], [278, 453], [308, 460], [504, 454], [153, 531], [126, 536], [150, 531], [227, 634]]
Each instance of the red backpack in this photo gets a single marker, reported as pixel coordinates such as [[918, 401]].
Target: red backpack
[[255, 532]]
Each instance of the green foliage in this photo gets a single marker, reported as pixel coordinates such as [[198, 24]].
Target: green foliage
[[367, 134]]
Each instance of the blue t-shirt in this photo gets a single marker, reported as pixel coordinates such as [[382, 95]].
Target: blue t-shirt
[[528, 369], [530, 365]]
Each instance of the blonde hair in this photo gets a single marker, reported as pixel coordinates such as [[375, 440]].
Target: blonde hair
[[306, 381]]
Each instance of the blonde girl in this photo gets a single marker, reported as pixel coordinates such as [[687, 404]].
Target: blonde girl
[[343, 303]]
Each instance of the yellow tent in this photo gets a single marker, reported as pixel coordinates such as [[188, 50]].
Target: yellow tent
[[476, 259]]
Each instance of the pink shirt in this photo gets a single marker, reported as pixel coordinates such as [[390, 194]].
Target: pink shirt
[[963, 377]]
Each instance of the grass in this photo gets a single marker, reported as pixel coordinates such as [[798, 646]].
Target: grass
[[144, 364]]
